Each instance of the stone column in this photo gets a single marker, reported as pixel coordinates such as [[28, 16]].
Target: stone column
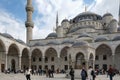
[[113, 60], [86, 64], [58, 62], [6, 61], [94, 64], [43, 61], [19, 62], [29, 62]]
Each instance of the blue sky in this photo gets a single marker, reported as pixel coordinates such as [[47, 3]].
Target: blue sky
[[13, 14]]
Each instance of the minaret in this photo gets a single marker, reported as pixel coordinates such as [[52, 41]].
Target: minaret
[[29, 23], [119, 14], [57, 20]]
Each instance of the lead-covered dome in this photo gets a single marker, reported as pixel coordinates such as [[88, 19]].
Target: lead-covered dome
[[52, 35], [117, 38], [87, 16], [67, 42], [107, 14], [100, 39], [20, 41], [53, 43], [65, 20], [38, 44], [80, 44], [7, 35]]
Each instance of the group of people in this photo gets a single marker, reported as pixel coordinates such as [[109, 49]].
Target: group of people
[[90, 74], [84, 75]]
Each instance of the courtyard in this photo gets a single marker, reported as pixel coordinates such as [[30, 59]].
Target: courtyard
[[56, 77]]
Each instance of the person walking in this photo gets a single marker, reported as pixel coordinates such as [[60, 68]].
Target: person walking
[[27, 73], [93, 74], [71, 73], [89, 73], [111, 72], [84, 74]]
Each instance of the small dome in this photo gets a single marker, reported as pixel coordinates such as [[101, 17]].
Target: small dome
[[100, 39], [38, 44], [52, 43], [113, 20], [7, 35], [117, 38], [83, 35], [79, 44], [52, 35], [65, 20], [67, 42], [20, 41], [107, 14]]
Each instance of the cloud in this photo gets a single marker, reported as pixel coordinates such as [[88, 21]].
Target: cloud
[[9, 24]]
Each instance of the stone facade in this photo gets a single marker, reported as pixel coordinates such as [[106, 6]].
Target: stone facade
[[88, 38]]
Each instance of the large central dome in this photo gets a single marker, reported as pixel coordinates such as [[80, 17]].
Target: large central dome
[[86, 16]]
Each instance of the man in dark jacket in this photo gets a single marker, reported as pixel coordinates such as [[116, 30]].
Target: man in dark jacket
[[72, 74], [84, 74]]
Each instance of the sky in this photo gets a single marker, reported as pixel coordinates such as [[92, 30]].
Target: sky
[[13, 14]]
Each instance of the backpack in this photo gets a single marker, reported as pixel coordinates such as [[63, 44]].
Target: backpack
[[83, 73]]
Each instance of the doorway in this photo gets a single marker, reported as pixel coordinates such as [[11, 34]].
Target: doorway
[[13, 65], [2, 67]]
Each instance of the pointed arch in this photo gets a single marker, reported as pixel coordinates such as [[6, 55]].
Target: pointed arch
[[103, 54], [2, 54], [64, 51], [51, 51], [79, 60], [25, 59], [36, 57], [13, 54]]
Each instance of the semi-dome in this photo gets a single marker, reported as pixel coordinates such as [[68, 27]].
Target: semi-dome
[[100, 39], [65, 20], [79, 44], [107, 14], [20, 41], [52, 35], [67, 42], [117, 38], [7, 35], [87, 16]]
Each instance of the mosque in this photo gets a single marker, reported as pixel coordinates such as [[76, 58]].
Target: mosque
[[88, 38]]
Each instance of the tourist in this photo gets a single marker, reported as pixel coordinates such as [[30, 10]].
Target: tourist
[[71, 74], [111, 72], [46, 71], [93, 75], [89, 73], [84, 74], [27, 73], [52, 73]]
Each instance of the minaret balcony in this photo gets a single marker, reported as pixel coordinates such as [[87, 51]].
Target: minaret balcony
[[29, 8], [29, 24]]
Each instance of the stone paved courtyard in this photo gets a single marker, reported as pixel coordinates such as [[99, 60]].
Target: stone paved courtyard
[[57, 77]]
